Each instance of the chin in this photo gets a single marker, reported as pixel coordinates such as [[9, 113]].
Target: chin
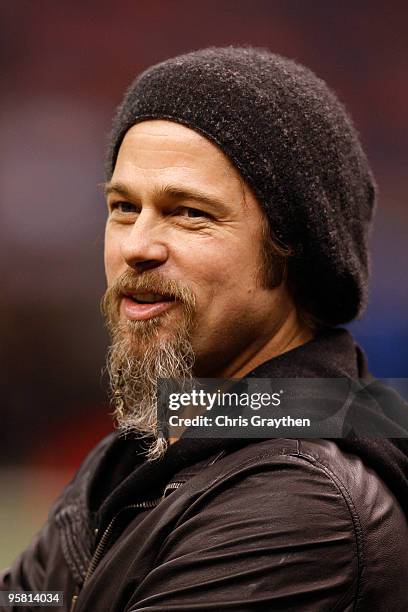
[[148, 332]]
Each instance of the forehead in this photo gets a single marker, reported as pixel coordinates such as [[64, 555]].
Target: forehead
[[164, 149]]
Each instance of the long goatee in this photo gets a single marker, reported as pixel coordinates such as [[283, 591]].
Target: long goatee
[[139, 356]]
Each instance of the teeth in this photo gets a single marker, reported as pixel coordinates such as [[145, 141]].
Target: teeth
[[147, 297]]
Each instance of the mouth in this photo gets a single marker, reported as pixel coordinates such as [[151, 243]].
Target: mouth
[[148, 298], [141, 305]]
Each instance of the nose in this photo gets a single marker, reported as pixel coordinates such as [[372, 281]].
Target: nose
[[143, 248]]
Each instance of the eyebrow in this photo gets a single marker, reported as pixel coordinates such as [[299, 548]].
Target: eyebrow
[[170, 191]]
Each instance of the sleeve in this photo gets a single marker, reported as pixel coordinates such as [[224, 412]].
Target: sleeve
[[42, 565], [279, 537], [28, 571]]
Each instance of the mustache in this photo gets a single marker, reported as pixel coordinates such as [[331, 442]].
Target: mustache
[[151, 282]]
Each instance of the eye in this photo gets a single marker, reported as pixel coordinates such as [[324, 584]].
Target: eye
[[123, 207], [192, 213]]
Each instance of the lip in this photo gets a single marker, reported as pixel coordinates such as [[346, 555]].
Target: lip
[[142, 312]]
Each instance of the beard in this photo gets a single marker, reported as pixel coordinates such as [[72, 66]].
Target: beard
[[141, 352]]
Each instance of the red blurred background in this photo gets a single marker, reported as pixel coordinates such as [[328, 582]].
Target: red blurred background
[[64, 69]]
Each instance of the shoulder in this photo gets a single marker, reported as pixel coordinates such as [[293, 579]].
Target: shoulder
[[293, 481], [276, 518], [313, 496], [75, 489]]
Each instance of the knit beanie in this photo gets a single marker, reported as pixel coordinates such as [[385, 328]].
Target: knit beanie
[[293, 143]]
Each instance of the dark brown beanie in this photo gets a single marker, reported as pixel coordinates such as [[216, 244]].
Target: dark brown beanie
[[294, 144]]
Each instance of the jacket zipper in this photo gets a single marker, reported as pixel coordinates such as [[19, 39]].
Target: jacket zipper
[[100, 549], [171, 487]]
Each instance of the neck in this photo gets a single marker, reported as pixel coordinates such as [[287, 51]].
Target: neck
[[288, 334], [291, 334]]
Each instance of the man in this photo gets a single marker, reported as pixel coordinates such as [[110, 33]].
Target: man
[[239, 204]]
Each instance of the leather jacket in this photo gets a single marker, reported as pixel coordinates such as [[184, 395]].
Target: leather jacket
[[276, 524]]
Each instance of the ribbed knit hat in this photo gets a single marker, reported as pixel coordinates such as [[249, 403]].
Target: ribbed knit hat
[[294, 144]]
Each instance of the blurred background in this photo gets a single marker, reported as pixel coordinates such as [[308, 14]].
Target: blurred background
[[64, 68]]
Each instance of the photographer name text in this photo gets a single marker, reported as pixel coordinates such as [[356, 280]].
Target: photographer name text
[[226, 421]]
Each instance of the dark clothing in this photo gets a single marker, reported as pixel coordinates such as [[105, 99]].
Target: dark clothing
[[274, 524]]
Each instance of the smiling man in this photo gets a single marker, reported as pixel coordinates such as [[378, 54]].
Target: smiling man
[[239, 205], [181, 217]]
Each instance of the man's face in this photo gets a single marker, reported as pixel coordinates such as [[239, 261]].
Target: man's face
[[183, 226]]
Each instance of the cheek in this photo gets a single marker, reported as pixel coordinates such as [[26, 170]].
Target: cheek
[[112, 257], [221, 271]]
